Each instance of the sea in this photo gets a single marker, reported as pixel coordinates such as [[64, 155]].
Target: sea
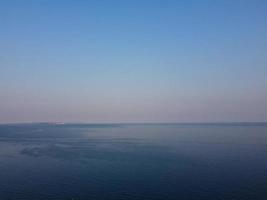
[[190, 161]]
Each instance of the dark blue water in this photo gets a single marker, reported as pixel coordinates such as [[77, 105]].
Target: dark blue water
[[120, 161]]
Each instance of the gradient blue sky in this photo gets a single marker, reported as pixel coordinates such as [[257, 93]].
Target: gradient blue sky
[[133, 60]]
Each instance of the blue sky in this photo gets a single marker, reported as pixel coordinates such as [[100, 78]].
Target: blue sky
[[133, 61]]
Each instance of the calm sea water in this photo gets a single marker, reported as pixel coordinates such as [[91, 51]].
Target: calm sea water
[[123, 161]]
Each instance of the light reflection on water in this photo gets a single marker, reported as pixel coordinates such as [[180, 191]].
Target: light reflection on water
[[123, 161]]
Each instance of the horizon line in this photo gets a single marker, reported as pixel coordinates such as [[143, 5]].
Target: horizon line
[[99, 123]]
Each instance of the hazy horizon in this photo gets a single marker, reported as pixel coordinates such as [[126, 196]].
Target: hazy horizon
[[133, 61], [139, 123]]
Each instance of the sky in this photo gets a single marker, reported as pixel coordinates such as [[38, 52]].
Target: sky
[[133, 61]]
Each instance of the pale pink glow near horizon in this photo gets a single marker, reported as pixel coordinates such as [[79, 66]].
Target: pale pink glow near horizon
[[133, 61]]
